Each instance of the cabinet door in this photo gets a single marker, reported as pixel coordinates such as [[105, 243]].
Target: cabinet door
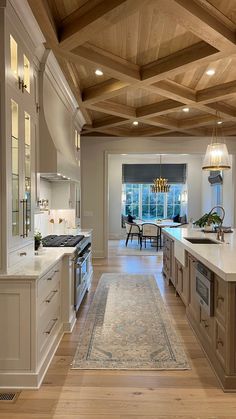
[[193, 301], [15, 326], [20, 163]]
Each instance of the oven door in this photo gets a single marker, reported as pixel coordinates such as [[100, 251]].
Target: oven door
[[204, 291], [81, 268]]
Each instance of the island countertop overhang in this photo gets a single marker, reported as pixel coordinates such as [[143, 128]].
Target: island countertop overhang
[[219, 257]]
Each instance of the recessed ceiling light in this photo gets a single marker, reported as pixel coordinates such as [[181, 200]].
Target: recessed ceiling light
[[98, 72], [135, 123], [219, 122], [124, 154], [58, 174], [185, 109], [210, 72]]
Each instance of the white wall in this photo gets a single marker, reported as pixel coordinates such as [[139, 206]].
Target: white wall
[[45, 191], [229, 185], [193, 185]]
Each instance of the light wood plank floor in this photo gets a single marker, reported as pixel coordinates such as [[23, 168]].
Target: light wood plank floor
[[67, 393]]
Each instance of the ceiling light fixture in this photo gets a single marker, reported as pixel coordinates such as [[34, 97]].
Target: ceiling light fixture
[[185, 109], [219, 122], [135, 123], [160, 185], [210, 72], [98, 72], [217, 156]]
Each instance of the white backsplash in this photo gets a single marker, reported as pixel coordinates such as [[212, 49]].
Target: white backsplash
[[42, 221]]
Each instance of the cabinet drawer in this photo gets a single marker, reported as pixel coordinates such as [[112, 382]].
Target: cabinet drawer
[[220, 299], [48, 329], [206, 325], [220, 343], [48, 282]]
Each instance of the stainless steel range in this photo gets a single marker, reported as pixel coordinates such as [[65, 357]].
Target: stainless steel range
[[82, 265]]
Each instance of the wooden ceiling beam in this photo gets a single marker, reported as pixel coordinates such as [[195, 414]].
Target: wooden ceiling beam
[[103, 91], [180, 62], [122, 70], [80, 28], [224, 110], [196, 19], [113, 108], [216, 93], [173, 90], [43, 15], [158, 108], [197, 121]]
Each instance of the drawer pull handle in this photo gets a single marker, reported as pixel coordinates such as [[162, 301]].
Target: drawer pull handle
[[48, 332], [50, 297], [205, 323], [51, 277], [220, 342], [220, 298]]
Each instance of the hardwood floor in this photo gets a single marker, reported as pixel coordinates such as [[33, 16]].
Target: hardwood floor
[[67, 393]]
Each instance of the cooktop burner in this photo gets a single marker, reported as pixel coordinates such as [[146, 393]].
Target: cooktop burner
[[61, 241]]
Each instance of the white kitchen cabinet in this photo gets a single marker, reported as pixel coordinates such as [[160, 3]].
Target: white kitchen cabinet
[[15, 326], [30, 327], [21, 131]]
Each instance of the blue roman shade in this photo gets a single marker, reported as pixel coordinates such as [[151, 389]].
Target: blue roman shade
[[145, 173]]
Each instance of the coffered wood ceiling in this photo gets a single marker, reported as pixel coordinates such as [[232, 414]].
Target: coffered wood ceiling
[[154, 55]]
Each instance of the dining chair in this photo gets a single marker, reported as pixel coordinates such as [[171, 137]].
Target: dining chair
[[132, 230], [152, 232]]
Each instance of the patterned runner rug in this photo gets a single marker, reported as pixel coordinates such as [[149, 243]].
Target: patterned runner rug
[[128, 327]]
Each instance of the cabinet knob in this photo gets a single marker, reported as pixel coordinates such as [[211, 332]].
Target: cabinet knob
[[220, 342]]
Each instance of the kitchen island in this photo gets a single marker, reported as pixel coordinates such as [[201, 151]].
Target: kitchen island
[[203, 272]]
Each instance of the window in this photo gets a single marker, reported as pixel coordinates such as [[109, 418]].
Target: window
[[217, 195], [27, 74], [13, 55], [141, 202]]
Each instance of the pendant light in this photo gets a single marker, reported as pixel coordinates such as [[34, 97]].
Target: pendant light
[[160, 185], [217, 156]]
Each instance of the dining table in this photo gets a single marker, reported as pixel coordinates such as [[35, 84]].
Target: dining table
[[162, 223]]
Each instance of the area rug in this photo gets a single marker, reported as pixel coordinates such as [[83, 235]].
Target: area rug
[[128, 327], [133, 249]]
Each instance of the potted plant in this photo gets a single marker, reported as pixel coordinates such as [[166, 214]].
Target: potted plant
[[209, 219], [37, 239]]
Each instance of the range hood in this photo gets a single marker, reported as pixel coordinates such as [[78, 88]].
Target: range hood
[[59, 117]]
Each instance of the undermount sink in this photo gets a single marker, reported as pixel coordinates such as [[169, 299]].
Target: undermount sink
[[199, 240]]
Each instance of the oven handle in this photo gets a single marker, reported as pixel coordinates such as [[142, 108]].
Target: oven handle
[[83, 261]]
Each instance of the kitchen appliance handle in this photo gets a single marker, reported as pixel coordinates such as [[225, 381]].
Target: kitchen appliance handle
[[22, 201]]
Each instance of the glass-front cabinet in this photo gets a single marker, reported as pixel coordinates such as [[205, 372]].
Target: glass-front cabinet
[[21, 129]]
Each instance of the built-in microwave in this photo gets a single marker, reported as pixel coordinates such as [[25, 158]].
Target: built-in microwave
[[204, 281]]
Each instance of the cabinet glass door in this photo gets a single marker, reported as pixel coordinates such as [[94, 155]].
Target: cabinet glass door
[[27, 172], [15, 167]]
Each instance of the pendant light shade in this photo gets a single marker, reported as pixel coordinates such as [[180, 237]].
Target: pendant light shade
[[217, 156]]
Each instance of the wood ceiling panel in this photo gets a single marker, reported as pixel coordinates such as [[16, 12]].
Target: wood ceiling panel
[[154, 55], [144, 36], [181, 115], [137, 98], [197, 79], [62, 9]]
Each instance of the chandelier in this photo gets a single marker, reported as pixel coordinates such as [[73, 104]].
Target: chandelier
[[160, 184], [217, 156]]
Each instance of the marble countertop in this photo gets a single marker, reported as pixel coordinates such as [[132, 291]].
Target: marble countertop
[[219, 257], [35, 266]]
